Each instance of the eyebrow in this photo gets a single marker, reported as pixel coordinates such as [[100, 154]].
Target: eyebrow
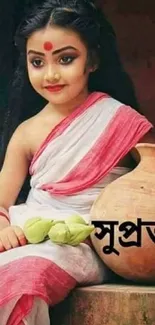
[[54, 52]]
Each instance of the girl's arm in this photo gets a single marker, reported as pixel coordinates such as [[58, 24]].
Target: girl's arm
[[14, 171]]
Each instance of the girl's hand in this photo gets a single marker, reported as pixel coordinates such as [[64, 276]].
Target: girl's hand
[[11, 237]]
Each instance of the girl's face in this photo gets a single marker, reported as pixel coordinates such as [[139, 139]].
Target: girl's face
[[57, 64]]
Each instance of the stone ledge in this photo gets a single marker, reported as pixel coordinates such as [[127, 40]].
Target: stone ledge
[[109, 304]]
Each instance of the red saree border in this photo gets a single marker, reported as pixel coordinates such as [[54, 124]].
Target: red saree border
[[121, 135]]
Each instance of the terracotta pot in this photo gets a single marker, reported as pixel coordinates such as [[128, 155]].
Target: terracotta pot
[[131, 199]]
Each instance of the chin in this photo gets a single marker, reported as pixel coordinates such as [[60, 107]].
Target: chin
[[59, 99]]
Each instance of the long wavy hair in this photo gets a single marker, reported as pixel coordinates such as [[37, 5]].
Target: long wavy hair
[[85, 18]]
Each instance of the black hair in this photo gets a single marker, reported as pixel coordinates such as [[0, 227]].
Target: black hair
[[84, 17]]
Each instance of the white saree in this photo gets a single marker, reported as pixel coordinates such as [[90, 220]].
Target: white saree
[[76, 160]]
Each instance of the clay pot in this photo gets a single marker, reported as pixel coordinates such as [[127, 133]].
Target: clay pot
[[129, 201]]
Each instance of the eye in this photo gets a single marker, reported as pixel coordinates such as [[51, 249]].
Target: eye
[[37, 63], [67, 59]]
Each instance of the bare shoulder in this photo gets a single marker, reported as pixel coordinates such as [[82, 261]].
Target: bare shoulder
[[28, 124], [33, 130], [20, 139], [25, 134], [17, 160], [15, 167], [38, 128]]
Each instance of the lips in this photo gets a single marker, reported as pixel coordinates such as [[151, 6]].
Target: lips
[[55, 88]]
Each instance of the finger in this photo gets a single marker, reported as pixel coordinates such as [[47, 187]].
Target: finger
[[22, 241], [2, 249], [13, 239], [5, 241], [20, 235]]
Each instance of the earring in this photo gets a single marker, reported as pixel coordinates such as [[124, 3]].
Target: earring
[[94, 69]]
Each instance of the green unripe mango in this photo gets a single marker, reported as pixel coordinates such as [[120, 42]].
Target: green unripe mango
[[75, 219], [54, 222], [71, 231], [59, 233], [79, 233], [36, 229]]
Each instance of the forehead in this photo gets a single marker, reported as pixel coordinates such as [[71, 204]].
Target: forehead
[[59, 37]]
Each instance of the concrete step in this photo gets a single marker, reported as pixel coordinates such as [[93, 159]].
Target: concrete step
[[108, 304]]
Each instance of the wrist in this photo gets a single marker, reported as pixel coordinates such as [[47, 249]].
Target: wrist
[[4, 215], [4, 219]]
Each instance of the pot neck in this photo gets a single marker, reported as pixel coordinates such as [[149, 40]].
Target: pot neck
[[147, 156]]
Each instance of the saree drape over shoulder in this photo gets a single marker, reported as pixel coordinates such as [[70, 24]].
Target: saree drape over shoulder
[[76, 160]]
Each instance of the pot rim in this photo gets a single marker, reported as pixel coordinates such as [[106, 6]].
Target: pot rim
[[145, 144]]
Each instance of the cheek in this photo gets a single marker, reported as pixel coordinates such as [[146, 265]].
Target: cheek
[[75, 73], [34, 76]]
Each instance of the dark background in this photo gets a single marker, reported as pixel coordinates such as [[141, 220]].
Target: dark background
[[134, 24]]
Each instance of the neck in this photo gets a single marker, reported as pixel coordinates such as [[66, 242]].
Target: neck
[[70, 106]]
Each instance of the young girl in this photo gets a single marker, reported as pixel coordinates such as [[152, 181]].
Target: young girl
[[79, 142]]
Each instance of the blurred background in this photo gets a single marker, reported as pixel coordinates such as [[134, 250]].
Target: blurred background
[[134, 24]]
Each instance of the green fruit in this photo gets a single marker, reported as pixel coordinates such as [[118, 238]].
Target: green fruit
[[75, 219], [79, 233], [54, 222], [59, 234], [36, 229]]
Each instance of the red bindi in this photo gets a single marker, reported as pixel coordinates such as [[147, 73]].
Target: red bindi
[[48, 46]]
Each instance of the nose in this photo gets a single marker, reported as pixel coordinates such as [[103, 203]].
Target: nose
[[51, 75]]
